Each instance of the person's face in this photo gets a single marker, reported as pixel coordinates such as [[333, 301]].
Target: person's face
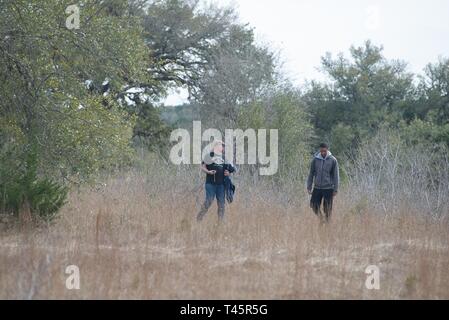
[[219, 148], [323, 152]]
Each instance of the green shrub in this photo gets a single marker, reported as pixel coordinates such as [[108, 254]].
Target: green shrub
[[44, 197], [21, 186]]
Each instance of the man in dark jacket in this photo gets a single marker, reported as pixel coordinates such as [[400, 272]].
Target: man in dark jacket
[[217, 173], [324, 178]]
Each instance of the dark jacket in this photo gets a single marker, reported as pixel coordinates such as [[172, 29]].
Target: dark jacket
[[323, 173], [219, 165], [229, 189]]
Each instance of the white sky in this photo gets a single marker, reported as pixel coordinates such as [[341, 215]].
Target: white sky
[[416, 31]]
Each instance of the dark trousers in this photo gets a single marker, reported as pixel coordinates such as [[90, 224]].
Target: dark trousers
[[213, 191], [325, 196]]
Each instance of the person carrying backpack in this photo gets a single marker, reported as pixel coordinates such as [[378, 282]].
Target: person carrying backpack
[[218, 184]]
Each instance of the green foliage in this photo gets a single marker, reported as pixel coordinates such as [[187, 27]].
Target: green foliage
[[67, 111], [344, 178], [71, 130], [180, 116], [86, 138], [342, 137], [368, 92], [23, 188], [420, 132], [150, 131], [283, 110], [363, 92], [435, 87], [205, 49]]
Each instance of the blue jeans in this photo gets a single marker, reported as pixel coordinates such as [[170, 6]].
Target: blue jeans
[[213, 191]]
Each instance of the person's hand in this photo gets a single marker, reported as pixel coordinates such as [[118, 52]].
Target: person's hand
[[334, 194], [309, 191], [212, 172], [227, 173]]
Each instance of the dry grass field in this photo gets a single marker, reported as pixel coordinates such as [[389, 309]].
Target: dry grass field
[[136, 237]]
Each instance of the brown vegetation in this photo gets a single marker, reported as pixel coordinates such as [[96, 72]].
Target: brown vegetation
[[136, 237]]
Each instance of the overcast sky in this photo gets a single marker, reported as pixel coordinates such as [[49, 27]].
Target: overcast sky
[[416, 31]]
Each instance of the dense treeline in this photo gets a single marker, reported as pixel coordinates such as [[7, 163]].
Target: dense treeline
[[79, 101], [367, 92]]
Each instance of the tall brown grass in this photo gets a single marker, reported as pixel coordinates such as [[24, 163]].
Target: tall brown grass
[[136, 236]]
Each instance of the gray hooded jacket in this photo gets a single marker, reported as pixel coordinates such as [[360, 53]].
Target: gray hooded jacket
[[323, 172]]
